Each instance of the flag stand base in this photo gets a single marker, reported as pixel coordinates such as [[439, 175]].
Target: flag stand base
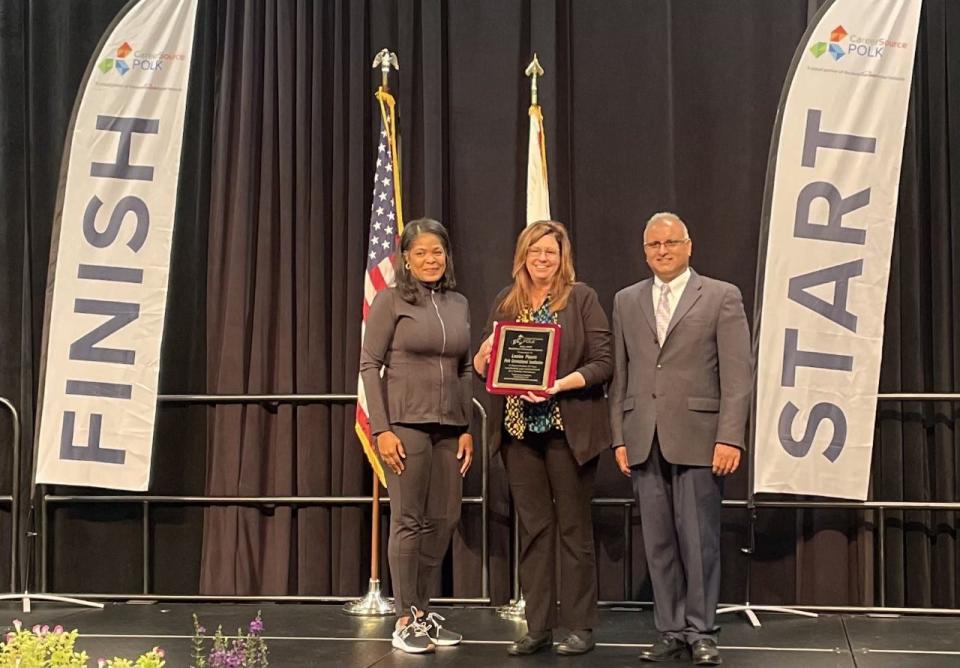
[[515, 610], [371, 605]]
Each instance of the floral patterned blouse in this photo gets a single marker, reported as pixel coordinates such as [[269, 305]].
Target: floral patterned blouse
[[521, 416]]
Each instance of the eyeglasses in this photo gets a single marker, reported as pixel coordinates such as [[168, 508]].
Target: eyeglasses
[[549, 253], [669, 244]]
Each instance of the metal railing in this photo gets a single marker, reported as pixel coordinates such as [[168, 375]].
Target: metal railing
[[625, 503], [752, 504], [146, 501], [12, 500]]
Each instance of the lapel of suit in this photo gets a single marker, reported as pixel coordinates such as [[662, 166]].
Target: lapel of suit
[[690, 295], [645, 295], [566, 319]]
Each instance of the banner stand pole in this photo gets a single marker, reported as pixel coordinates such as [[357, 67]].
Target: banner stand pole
[[373, 604], [750, 549]]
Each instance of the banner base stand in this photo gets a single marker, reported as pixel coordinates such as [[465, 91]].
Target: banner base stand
[[26, 598], [371, 605], [751, 612]]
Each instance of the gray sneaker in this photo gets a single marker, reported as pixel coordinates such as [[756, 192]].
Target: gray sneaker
[[440, 636], [413, 638]]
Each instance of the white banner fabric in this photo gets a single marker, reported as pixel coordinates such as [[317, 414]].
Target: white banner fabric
[[830, 222], [110, 253]]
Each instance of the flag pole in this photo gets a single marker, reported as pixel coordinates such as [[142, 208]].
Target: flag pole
[[517, 608], [534, 70], [373, 604]]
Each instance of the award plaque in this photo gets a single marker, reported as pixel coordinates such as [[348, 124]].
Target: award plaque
[[524, 357]]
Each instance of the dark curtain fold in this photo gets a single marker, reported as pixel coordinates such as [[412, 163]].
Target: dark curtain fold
[[917, 453], [286, 232], [648, 105]]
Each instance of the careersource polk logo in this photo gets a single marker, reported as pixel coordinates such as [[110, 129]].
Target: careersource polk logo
[[127, 58], [843, 44], [834, 47], [119, 63]]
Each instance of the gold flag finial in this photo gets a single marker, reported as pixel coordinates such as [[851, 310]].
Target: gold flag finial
[[384, 60], [533, 71]]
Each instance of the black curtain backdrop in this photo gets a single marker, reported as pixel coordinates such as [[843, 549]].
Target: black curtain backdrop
[[649, 105]]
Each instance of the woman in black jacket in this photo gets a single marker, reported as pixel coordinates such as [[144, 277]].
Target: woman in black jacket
[[550, 445], [418, 337]]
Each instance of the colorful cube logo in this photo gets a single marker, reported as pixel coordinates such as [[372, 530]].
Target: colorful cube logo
[[836, 51], [118, 63]]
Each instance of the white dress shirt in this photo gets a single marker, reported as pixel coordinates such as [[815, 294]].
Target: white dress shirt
[[677, 286]]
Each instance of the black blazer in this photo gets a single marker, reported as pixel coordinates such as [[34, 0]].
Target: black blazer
[[585, 346]]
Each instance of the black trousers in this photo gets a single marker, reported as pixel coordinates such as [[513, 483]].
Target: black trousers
[[424, 510], [550, 492], [680, 515]]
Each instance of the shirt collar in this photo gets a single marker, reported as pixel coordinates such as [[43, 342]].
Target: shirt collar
[[677, 285]]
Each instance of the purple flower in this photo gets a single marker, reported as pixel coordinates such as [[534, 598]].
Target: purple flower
[[256, 626], [226, 658]]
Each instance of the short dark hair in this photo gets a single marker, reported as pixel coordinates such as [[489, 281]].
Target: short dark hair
[[407, 284]]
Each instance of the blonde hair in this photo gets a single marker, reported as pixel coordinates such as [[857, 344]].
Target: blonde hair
[[520, 293]]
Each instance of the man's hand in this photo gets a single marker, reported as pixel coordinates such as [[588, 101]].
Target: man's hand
[[726, 459], [465, 452], [620, 455]]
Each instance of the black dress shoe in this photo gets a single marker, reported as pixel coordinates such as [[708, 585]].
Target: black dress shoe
[[530, 643], [576, 642], [665, 649], [705, 653]]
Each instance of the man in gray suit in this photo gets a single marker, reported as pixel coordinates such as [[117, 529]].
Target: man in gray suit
[[679, 402]]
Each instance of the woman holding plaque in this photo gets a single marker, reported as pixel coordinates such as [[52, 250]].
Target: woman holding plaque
[[415, 367], [549, 440]]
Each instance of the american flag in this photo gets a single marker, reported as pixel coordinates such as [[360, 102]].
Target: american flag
[[385, 227]]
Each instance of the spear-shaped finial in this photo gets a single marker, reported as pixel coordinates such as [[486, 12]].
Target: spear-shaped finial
[[384, 60], [533, 71]]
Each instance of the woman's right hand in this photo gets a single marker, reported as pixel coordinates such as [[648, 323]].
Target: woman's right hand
[[482, 359], [391, 451]]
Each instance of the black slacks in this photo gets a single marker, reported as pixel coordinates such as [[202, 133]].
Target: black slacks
[[424, 510], [680, 515], [550, 492]]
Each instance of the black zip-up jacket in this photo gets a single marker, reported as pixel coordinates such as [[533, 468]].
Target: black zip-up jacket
[[424, 351]]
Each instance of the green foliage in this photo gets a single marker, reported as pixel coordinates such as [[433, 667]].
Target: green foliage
[[43, 647]]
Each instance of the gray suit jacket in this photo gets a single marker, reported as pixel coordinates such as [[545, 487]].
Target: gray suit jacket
[[694, 391]]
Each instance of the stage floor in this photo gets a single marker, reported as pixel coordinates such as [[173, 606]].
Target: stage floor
[[320, 635]]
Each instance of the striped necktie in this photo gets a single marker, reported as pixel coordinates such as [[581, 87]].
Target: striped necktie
[[663, 313]]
